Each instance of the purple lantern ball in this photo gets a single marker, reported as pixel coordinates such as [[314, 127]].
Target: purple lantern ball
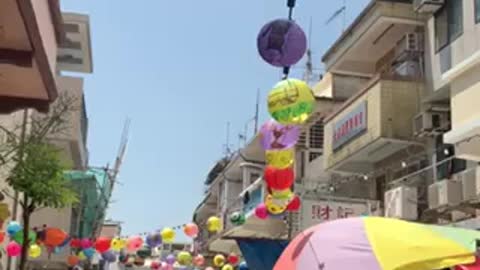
[[171, 259], [281, 43], [109, 256], [275, 136], [154, 240]]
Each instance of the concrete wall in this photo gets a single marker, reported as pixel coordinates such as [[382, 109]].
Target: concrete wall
[[47, 30], [465, 96]]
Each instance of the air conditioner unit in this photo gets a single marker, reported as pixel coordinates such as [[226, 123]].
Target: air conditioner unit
[[401, 202], [427, 6], [431, 122], [470, 183], [444, 193]]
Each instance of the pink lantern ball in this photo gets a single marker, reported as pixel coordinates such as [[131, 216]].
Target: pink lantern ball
[[164, 266], [209, 268], [134, 243], [13, 249], [199, 260], [86, 243], [155, 265], [191, 230], [261, 211]]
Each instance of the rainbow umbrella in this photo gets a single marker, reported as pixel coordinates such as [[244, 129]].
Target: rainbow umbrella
[[374, 243], [474, 266]]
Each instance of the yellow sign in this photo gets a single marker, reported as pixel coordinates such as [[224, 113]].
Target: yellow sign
[[291, 102], [280, 159]]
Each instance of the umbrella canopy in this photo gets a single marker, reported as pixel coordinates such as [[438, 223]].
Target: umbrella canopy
[[474, 266], [375, 243]]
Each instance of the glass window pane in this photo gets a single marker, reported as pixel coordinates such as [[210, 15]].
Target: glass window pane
[[455, 19], [441, 29], [477, 11]]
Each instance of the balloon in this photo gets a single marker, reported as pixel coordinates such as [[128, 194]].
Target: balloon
[[155, 265], [275, 136], [13, 227], [2, 237], [294, 205], [168, 235], [227, 267], [118, 244], [102, 244], [291, 102], [261, 211], [171, 259], [191, 230], [184, 258], [279, 179], [13, 249], [243, 266], [219, 260], [86, 243], [280, 159], [18, 237], [214, 224], [109, 256], [209, 268], [233, 259], [154, 240], [89, 252], [281, 43], [76, 243], [237, 218], [134, 243], [72, 260], [54, 237], [165, 266], [34, 251], [199, 260], [82, 256]]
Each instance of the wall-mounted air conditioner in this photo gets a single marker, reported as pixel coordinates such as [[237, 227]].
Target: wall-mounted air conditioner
[[427, 6], [470, 183], [401, 202], [431, 122], [444, 193]]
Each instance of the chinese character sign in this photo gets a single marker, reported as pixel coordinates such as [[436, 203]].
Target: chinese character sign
[[315, 212], [350, 126]]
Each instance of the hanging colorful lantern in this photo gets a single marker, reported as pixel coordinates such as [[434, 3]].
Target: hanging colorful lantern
[[34, 251], [76, 243], [191, 230], [139, 261], [227, 267], [281, 43], [165, 266], [82, 256], [86, 243], [199, 260], [18, 237], [102, 244], [243, 266], [2, 237], [294, 205], [13, 227], [219, 260], [155, 265], [72, 260], [134, 243], [291, 102], [275, 207], [184, 258], [170, 259], [237, 218], [280, 159], [261, 211], [284, 195], [214, 224], [233, 259], [168, 235], [109, 256], [54, 237], [118, 244], [279, 179], [209, 268], [275, 136], [154, 240], [89, 252], [13, 249]]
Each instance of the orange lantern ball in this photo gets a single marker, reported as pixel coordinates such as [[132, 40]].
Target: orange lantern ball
[[72, 260], [191, 230]]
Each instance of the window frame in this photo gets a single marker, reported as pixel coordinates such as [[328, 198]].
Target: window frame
[[476, 10], [449, 10]]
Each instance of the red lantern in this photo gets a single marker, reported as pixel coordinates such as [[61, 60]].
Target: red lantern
[[76, 243], [2, 237], [102, 244], [72, 260], [233, 259], [279, 179], [294, 205]]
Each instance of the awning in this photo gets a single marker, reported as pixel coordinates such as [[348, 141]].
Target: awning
[[261, 254]]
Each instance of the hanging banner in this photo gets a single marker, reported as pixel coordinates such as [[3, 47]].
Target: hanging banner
[[350, 126]]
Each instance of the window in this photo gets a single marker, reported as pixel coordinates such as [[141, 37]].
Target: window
[[316, 135], [73, 28], [477, 11], [448, 23]]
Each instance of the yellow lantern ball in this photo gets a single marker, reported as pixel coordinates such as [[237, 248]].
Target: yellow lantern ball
[[118, 244], [291, 102], [168, 235], [34, 251], [280, 159], [184, 258], [284, 195], [82, 256], [274, 207], [227, 267], [214, 224], [219, 260]]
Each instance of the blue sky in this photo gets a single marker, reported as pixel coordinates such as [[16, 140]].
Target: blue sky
[[180, 70]]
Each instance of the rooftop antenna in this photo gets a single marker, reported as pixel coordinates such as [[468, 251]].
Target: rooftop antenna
[[341, 11], [257, 108], [227, 150], [307, 76]]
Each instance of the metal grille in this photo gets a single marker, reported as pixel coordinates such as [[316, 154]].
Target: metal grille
[[315, 139], [313, 155]]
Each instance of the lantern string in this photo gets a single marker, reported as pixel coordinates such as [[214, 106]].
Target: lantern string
[[290, 5]]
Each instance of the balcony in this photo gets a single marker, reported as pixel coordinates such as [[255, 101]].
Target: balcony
[[372, 125], [73, 140], [372, 36], [30, 32]]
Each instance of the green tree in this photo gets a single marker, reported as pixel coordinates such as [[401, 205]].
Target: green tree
[[37, 171]]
